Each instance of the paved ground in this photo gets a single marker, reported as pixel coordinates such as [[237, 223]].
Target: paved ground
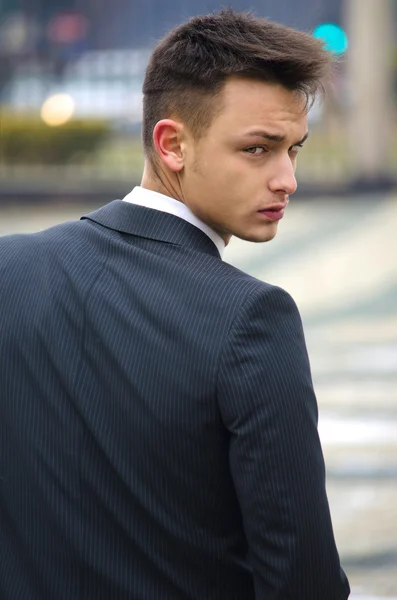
[[338, 258]]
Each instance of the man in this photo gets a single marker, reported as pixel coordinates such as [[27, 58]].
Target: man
[[158, 421]]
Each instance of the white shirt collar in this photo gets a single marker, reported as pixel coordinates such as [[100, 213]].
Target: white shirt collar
[[157, 201]]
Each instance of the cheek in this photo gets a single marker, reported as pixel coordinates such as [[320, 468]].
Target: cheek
[[224, 174], [213, 174]]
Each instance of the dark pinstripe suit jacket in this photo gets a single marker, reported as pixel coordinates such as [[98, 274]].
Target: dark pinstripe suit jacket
[[157, 422]]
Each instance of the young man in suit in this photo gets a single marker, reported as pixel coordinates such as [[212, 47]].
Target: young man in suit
[[158, 422]]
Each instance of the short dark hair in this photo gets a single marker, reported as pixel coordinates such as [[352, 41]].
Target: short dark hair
[[189, 67]]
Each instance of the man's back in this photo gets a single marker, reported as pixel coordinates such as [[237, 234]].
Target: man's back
[[124, 465]]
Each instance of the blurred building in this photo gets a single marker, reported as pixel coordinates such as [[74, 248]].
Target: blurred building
[[133, 23], [123, 23]]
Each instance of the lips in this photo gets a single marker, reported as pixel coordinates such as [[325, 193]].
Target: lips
[[275, 207], [273, 213]]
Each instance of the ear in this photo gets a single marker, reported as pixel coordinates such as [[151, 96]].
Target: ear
[[168, 142]]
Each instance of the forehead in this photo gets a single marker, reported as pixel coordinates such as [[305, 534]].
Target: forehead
[[248, 103]]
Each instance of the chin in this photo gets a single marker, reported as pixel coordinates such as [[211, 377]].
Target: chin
[[257, 237]]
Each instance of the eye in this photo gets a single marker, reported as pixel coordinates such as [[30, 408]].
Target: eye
[[256, 150], [295, 149]]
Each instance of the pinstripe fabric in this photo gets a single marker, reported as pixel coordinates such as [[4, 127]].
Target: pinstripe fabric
[[158, 423]]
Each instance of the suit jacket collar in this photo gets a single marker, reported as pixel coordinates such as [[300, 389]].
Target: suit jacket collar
[[153, 224]]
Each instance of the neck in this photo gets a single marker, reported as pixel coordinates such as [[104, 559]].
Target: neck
[[157, 180], [168, 183]]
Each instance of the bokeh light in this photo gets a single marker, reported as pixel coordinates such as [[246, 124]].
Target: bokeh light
[[335, 38], [58, 109]]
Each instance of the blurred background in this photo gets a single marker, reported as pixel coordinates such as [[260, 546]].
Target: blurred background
[[71, 73]]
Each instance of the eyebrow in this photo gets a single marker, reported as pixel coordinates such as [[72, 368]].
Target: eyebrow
[[276, 138]]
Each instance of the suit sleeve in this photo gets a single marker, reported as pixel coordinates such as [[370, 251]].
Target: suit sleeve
[[268, 405]]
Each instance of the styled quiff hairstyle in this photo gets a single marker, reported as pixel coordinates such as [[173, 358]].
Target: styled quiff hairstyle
[[189, 67]]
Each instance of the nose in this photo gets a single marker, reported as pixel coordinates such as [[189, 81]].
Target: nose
[[283, 181]]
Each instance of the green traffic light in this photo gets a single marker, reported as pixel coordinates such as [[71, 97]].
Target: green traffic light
[[335, 39]]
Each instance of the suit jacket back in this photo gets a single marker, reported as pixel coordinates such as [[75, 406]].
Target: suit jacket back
[[143, 453]]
